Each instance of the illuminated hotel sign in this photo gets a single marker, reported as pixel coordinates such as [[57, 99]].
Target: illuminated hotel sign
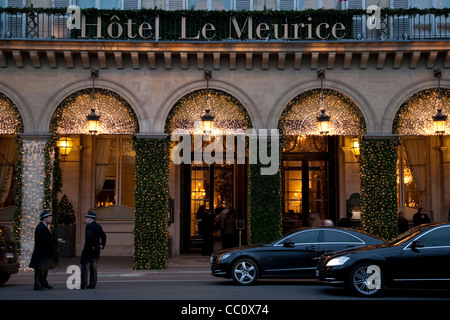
[[115, 27]]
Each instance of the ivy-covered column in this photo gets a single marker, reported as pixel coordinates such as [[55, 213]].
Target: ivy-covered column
[[151, 231], [33, 191], [264, 194], [378, 169]]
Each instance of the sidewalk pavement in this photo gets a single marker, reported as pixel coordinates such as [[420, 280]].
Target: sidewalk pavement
[[125, 264]]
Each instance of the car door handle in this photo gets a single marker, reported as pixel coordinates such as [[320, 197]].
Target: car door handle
[[310, 247]]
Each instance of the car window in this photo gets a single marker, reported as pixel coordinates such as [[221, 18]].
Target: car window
[[436, 238], [339, 236], [309, 236]]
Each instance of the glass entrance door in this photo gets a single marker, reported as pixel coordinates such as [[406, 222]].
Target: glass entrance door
[[209, 188], [305, 189]]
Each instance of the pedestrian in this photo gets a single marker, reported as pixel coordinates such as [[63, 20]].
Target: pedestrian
[[227, 224], [201, 212], [347, 221], [208, 233], [314, 220], [95, 240], [43, 255], [420, 217], [328, 223], [402, 223]]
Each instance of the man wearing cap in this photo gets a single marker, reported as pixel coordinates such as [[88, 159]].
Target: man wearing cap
[[43, 253], [94, 241]]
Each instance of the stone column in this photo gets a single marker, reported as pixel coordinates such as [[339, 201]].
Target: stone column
[[151, 231], [378, 167], [33, 191]]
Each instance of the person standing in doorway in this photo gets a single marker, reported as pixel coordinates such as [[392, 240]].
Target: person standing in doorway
[[420, 217], [402, 223], [42, 258], [94, 241], [227, 224], [208, 233]]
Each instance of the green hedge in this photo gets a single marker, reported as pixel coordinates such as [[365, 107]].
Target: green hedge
[[151, 233], [378, 171], [264, 204]]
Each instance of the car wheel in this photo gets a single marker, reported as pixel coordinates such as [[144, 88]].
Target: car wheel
[[366, 280], [244, 272]]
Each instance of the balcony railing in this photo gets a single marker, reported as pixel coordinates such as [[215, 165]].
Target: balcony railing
[[195, 25]]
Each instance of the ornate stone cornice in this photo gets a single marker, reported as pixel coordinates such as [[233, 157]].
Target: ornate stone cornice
[[282, 54]]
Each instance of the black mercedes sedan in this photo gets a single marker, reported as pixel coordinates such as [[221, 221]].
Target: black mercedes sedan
[[418, 257], [295, 255]]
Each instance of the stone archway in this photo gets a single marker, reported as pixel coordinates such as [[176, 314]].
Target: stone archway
[[116, 114], [415, 115], [100, 167], [299, 117], [311, 161], [212, 185], [10, 125], [229, 112], [423, 154]]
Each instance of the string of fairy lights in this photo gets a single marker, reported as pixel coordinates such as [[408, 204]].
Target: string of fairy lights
[[9, 120], [415, 116], [229, 114], [300, 115], [33, 195], [116, 115]]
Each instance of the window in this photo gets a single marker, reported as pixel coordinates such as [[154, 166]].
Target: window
[[13, 3], [412, 172], [338, 236], [305, 237], [439, 237], [317, 4], [209, 4], [107, 4], [114, 172], [8, 150], [424, 4]]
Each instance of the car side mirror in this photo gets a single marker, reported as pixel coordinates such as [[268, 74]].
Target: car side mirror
[[415, 245], [288, 243]]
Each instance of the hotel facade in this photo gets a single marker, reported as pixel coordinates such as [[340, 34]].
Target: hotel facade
[[272, 70]]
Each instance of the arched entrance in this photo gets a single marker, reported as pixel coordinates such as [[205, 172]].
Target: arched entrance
[[10, 183], [98, 173], [210, 185], [423, 155], [314, 165]]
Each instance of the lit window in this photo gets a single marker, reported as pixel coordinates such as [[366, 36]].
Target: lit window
[[114, 172]]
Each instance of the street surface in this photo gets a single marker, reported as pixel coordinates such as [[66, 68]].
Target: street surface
[[187, 288]]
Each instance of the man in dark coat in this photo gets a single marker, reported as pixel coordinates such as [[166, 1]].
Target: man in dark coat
[[420, 217], [94, 241], [43, 253]]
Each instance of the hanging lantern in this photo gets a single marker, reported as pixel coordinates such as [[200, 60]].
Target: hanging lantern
[[439, 122], [93, 119], [324, 122], [65, 145], [207, 122], [355, 147], [323, 119], [208, 116], [439, 119]]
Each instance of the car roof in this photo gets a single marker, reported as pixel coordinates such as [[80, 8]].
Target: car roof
[[359, 232]]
